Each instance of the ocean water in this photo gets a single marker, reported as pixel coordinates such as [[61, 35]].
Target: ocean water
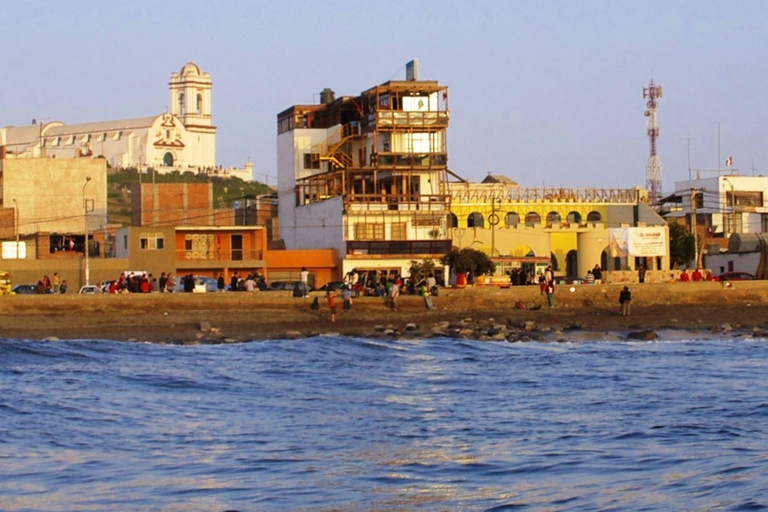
[[354, 424]]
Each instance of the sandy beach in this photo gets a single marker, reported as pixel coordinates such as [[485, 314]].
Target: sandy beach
[[479, 313], [471, 312]]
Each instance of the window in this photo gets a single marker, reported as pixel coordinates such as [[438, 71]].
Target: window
[[369, 231], [553, 218], [182, 107], [199, 103], [594, 217], [475, 220], [532, 218], [744, 198], [453, 221], [574, 218], [399, 231], [512, 219], [311, 160], [152, 241]]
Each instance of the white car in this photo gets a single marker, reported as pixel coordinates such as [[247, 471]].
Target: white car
[[91, 288], [200, 285]]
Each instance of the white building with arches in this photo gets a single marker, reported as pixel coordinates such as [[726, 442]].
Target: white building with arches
[[181, 139]]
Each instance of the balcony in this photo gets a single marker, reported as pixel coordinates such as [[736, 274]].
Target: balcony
[[395, 119], [397, 202], [214, 255], [408, 160], [408, 248]]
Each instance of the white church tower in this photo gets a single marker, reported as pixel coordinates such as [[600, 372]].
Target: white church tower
[[190, 100]]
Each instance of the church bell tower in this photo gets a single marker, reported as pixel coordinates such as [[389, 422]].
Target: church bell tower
[[190, 100]]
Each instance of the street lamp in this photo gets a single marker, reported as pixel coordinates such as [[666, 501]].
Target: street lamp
[[85, 209], [16, 214]]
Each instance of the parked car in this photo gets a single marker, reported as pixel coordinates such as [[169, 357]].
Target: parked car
[[287, 286], [200, 285], [24, 289], [332, 286], [735, 276], [569, 280], [91, 288]]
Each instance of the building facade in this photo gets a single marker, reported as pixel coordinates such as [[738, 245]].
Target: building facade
[[183, 138], [366, 175], [567, 228]]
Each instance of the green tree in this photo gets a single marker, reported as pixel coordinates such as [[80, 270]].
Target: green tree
[[682, 247], [469, 260]]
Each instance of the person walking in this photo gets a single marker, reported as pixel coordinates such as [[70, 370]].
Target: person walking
[[625, 299]]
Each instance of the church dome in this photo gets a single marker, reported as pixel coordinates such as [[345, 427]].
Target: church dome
[[190, 68]]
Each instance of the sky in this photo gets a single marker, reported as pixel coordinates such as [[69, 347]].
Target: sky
[[548, 93]]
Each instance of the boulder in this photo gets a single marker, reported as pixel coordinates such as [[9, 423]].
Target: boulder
[[379, 328], [204, 326], [411, 327], [530, 325], [646, 335]]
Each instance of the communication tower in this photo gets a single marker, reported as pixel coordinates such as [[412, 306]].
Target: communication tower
[[653, 168]]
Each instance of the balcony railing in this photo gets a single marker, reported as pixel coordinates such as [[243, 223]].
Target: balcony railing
[[435, 247], [219, 255], [397, 202], [399, 119], [411, 160]]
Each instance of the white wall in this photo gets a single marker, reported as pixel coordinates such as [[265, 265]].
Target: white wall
[[319, 226], [744, 262]]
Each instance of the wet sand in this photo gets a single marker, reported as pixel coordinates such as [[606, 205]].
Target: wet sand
[[591, 311]]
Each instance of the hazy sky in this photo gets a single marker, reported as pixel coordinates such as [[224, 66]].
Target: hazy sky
[[543, 92]]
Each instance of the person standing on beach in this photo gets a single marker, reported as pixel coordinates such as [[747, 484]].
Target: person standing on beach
[[598, 273], [550, 294], [304, 275], [625, 299], [330, 296], [394, 293], [424, 292]]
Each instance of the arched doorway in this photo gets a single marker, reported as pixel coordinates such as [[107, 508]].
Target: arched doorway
[[532, 218], [572, 263], [594, 217], [512, 219], [453, 221], [553, 261], [574, 218], [168, 159], [553, 218]]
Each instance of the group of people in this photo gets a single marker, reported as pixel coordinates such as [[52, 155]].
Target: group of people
[[695, 276], [250, 283], [55, 285]]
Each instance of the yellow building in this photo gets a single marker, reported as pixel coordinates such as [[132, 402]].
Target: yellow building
[[568, 226]]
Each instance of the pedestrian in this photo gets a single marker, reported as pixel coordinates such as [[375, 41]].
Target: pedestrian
[[346, 294], [641, 274], [696, 276], [684, 277], [304, 276], [625, 298], [330, 296], [394, 293], [56, 283], [550, 294], [220, 284], [63, 286], [162, 281], [597, 272], [170, 283], [424, 292]]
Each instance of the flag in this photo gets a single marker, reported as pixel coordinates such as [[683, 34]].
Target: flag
[[729, 161]]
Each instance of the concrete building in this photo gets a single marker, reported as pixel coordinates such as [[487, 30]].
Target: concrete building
[[366, 175], [49, 201], [182, 139], [724, 205], [568, 228]]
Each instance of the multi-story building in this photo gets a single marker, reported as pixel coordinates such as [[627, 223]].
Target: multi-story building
[[366, 175], [567, 228], [724, 204]]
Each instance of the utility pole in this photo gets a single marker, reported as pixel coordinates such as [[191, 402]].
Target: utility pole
[[693, 227]]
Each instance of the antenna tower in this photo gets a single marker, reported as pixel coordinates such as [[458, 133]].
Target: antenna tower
[[653, 168]]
